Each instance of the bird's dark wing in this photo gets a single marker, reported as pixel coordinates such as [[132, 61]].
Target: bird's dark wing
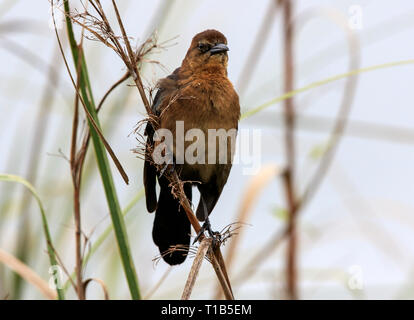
[[165, 87]]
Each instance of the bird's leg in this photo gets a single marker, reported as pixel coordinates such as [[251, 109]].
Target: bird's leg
[[202, 207]]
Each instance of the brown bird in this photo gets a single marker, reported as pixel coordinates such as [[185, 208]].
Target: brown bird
[[201, 96]]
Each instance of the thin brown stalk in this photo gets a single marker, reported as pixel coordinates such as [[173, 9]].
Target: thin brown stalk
[[124, 35], [180, 194], [216, 257], [80, 157], [76, 179], [195, 268], [219, 266], [289, 176], [113, 87], [75, 122], [82, 152], [62, 265], [111, 33], [96, 34], [106, 144], [76, 170], [133, 64]]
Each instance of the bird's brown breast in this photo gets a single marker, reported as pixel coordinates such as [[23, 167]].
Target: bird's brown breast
[[204, 102]]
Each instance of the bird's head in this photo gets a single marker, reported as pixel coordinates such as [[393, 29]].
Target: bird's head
[[208, 50]]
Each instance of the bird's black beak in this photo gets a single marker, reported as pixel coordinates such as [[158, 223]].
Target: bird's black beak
[[219, 48]]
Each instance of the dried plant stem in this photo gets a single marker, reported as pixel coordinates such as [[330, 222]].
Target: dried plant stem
[[100, 282], [113, 87], [195, 268], [76, 180], [216, 257], [220, 268], [132, 62], [85, 144], [76, 164], [289, 175], [175, 180]]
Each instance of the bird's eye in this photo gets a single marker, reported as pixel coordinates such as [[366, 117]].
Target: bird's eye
[[203, 47]]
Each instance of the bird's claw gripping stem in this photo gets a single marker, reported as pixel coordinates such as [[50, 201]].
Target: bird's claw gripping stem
[[214, 235]]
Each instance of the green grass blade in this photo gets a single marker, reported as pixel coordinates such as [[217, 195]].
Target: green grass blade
[[50, 250], [103, 165], [315, 84]]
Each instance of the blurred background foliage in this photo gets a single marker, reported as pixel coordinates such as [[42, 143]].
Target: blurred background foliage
[[354, 236]]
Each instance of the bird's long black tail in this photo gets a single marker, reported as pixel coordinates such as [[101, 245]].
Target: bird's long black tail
[[171, 225]]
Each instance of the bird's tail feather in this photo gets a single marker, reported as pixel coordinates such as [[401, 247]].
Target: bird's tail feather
[[171, 225]]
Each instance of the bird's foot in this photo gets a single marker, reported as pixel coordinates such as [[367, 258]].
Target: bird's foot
[[214, 235]]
